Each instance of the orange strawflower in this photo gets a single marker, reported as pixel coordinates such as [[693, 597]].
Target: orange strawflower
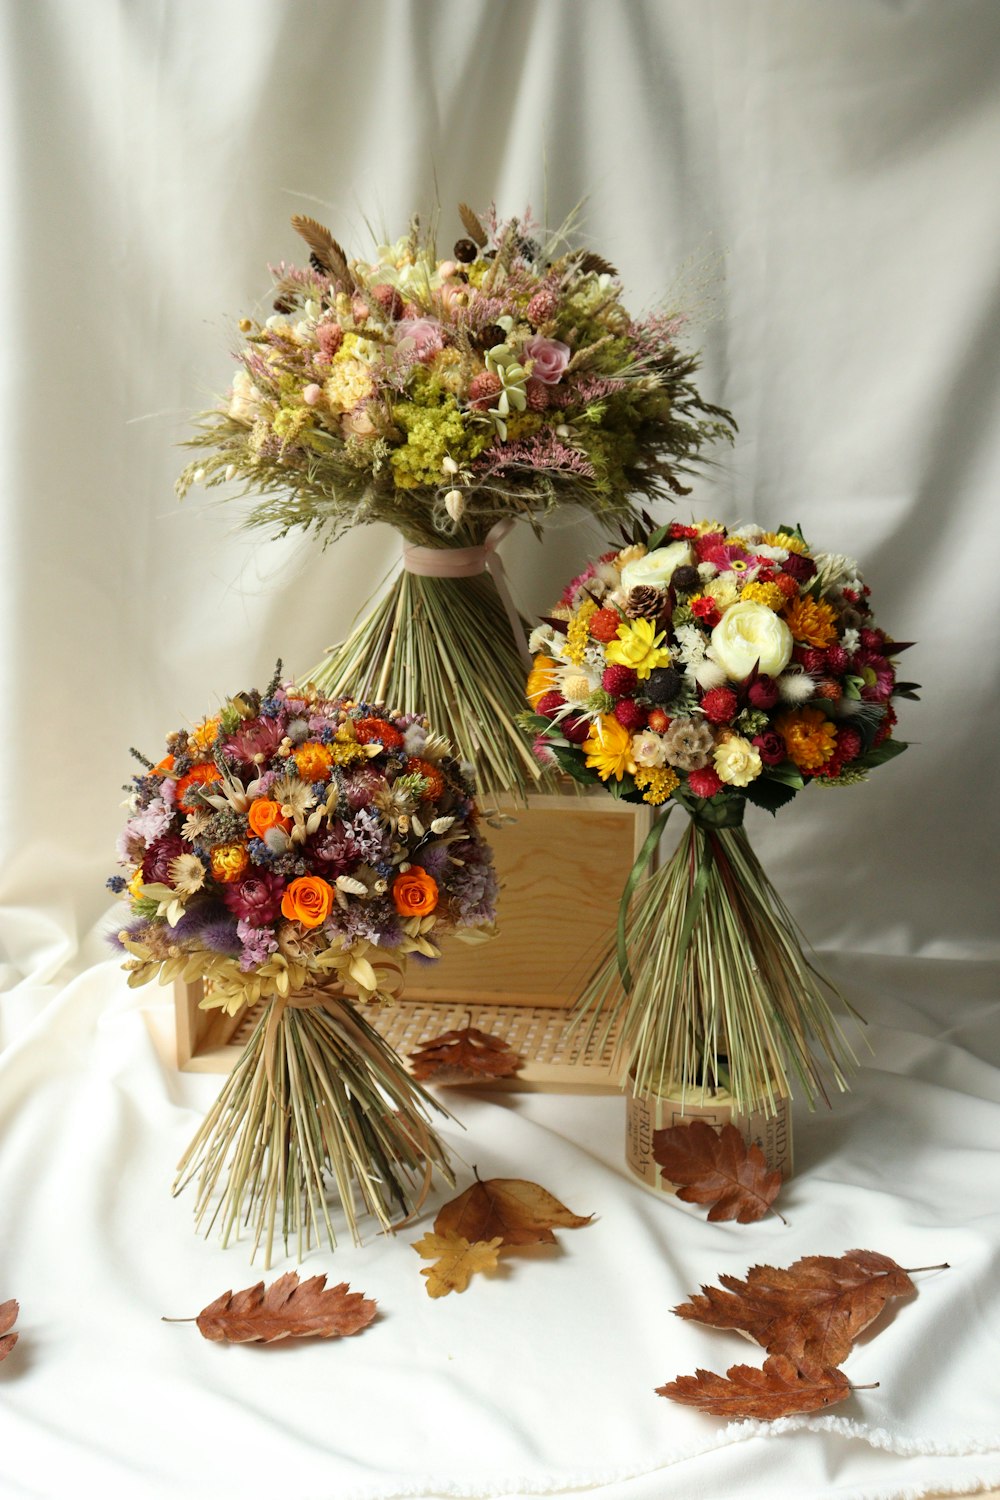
[[811, 621], [416, 766], [197, 776], [810, 737], [229, 861], [313, 760], [414, 892], [541, 679], [203, 735], [265, 815], [370, 731]]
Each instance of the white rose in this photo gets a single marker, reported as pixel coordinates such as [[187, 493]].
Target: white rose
[[751, 635], [737, 763], [656, 568]]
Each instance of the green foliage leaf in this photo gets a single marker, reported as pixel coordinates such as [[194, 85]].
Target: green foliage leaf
[[879, 754], [788, 772], [769, 794], [569, 763]]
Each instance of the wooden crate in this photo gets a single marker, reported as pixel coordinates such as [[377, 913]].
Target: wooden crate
[[562, 864]]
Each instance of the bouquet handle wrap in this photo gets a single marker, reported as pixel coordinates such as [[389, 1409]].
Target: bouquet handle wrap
[[317, 1096], [466, 562]]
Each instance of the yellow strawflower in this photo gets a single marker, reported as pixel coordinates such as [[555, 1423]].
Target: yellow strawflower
[[608, 748], [638, 646]]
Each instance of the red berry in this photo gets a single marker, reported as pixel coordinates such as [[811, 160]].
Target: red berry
[[575, 730], [618, 681], [872, 640], [630, 715], [484, 388], [704, 783], [814, 660], [548, 703], [837, 659], [849, 744], [603, 626], [719, 705], [388, 300]]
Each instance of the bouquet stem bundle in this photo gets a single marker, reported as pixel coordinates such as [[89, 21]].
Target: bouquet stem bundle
[[723, 994], [316, 1095], [444, 646]]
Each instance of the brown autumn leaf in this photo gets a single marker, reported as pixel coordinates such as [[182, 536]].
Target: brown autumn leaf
[[455, 1261], [717, 1167], [781, 1388], [812, 1311], [521, 1213], [464, 1054], [8, 1317], [287, 1309]]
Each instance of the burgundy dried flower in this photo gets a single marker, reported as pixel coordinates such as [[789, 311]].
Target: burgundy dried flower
[[255, 900]]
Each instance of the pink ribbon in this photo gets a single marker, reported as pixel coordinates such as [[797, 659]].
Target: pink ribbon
[[466, 562]]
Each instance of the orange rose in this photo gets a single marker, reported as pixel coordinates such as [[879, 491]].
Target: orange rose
[[265, 815], [308, 900], [415, 892]]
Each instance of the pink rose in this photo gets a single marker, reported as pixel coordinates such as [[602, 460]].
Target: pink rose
[[550, 359], [422, 334]]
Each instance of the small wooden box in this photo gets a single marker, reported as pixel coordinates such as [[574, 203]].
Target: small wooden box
[[562, 864]]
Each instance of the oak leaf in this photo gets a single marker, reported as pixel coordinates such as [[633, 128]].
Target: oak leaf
[[464, 1054], [813, 1310], [289, 1308], [717, 1167], [782, 1387], [456, 1261], [8, 1317], [519, 1212]]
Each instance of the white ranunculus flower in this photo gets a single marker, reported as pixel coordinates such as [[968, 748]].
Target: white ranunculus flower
[[657, 567], [737, 762], [648, 749], [749, 635]]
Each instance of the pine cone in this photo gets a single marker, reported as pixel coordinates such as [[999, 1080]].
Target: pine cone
[[644, 602]]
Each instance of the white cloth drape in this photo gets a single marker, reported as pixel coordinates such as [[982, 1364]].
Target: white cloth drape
[[816, 182]]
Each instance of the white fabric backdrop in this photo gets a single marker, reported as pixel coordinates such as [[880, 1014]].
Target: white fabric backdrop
[[817, 181]]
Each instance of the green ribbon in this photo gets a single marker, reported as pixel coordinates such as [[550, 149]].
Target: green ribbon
[[707, 820], [635, 875]]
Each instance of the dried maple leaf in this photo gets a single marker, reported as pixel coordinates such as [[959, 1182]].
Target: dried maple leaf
[[455, 1261], [289, 1308], [812, 1311], [521, 1213], [8, 1317], [717, 1167], [457, 1056], [779, 1389]]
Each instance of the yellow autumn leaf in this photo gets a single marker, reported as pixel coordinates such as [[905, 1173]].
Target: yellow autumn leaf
[[455, 1260]]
